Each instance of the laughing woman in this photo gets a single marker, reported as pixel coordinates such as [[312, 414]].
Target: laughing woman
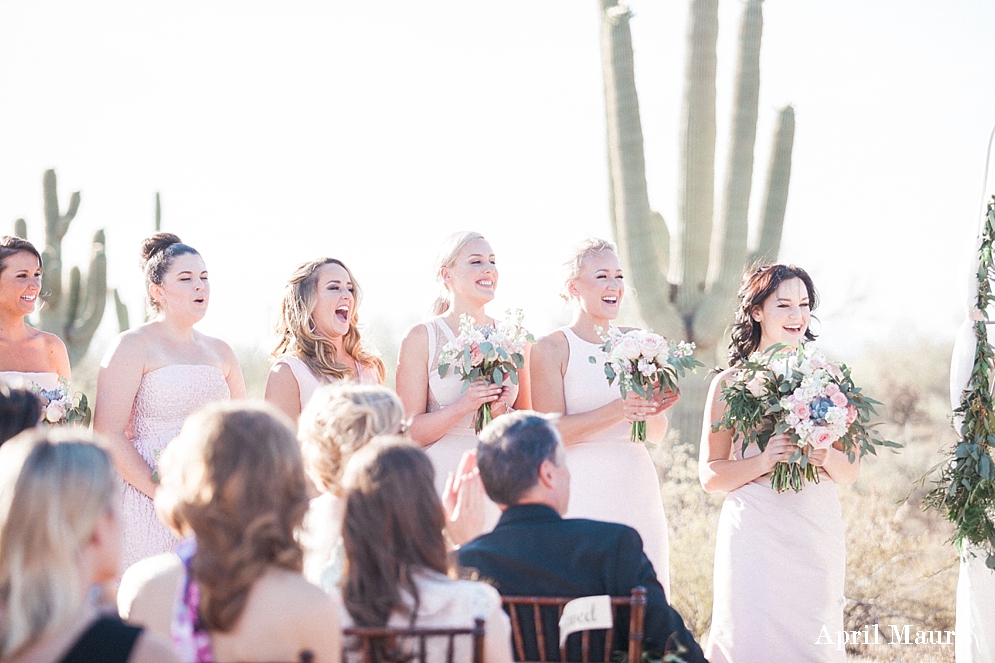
[[27, 355], [319, 336], [612, 479], [153, 376], [441, 411]]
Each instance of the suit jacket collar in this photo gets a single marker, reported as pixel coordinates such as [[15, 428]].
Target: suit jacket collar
[[528, 513]]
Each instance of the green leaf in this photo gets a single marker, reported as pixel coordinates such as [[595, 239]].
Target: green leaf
[[443, 369], [497, 376]]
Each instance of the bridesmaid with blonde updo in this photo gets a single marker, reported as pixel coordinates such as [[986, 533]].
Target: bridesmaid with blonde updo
[[319, 340], [153, 376]]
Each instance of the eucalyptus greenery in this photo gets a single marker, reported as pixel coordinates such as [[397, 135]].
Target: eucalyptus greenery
[[965, 490]]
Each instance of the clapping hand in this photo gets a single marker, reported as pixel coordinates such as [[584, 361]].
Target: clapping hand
[[463, 499]]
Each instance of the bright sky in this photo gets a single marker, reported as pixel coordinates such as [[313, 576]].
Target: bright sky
[[282, 131]]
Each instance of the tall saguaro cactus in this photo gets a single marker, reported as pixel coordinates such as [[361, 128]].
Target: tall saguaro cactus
[[686, 288], [75, 314]]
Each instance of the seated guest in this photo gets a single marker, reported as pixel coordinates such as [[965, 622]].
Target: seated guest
[[19, 411], [233, 483], [337, 422], [60, 536], [396, 570], [534, 551]]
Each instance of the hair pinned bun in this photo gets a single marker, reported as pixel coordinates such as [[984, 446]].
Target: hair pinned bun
[[156, 244]]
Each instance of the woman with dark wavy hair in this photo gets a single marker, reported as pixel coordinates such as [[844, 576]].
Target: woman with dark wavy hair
[[771, 546], [397, 570], [233, 484], [319, 340]]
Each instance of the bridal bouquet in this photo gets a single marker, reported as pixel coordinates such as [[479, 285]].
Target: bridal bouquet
[[482, 352], [644, 362], [803, 394], [61, 405]]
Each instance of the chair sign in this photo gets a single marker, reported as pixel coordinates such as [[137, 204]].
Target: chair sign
[[585, 613]]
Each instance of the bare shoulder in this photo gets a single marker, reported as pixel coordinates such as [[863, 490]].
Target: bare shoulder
[[416, 336], [551, 347], [148, 580], [130, 345], [290, 590], [153, 648]]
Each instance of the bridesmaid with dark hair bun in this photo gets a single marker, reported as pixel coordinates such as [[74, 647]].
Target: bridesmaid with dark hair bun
[[153, 376]]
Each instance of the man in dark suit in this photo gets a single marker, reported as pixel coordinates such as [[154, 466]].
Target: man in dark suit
[[534, 551]]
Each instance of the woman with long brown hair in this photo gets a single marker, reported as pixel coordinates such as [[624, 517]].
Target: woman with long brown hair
[[318, 336], [780, 558], [29, 357], [397, 569], [233, 483]]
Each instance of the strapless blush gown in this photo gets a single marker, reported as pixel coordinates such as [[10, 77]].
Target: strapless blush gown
[[22, 380], [165, 397], [447, 451], [612, 478]]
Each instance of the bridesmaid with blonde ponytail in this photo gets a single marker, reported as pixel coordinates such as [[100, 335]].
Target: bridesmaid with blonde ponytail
[[319, 340], [441, 411]]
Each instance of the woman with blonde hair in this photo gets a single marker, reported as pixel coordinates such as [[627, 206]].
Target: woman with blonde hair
[[337, 422], [319, 340], [441, 410], [612, 478], [153, 376], [233, 483], [397, 568], [60, 535]]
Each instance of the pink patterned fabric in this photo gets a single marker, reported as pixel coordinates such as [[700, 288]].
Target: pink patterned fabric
[[164, 399], [190, 640]]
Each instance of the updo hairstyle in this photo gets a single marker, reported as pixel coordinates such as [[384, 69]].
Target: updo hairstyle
[[158, 253], [575, 260], [447, 259], [759, 283], [10, 245], [338, 421], [296, 333]]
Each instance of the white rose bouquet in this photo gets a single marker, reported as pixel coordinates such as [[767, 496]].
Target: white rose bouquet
[[645, 363], [483, 352], [803, 394]]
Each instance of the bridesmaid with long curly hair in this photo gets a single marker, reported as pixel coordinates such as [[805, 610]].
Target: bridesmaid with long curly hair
[[319, 340]]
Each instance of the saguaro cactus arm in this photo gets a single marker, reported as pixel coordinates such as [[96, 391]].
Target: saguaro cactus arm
[[775, 200], [86, 305], [696, 185], [20, 229], [56, 226], [730, 234], [633, 220]]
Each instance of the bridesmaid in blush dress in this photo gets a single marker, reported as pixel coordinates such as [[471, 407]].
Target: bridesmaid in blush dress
[[441, 411], [780, 558], [319, 336], [611, 478], [29, 358], [152, 377]]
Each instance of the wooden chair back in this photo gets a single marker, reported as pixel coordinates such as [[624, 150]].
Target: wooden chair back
[[410, 645], [539, 611]]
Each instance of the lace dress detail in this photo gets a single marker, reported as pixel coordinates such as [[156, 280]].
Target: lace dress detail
[[165, 397]]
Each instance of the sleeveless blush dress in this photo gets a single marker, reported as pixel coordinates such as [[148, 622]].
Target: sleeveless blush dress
[[612, 478], [165, 397], [446, 452], [780, 564], [308, 382]]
